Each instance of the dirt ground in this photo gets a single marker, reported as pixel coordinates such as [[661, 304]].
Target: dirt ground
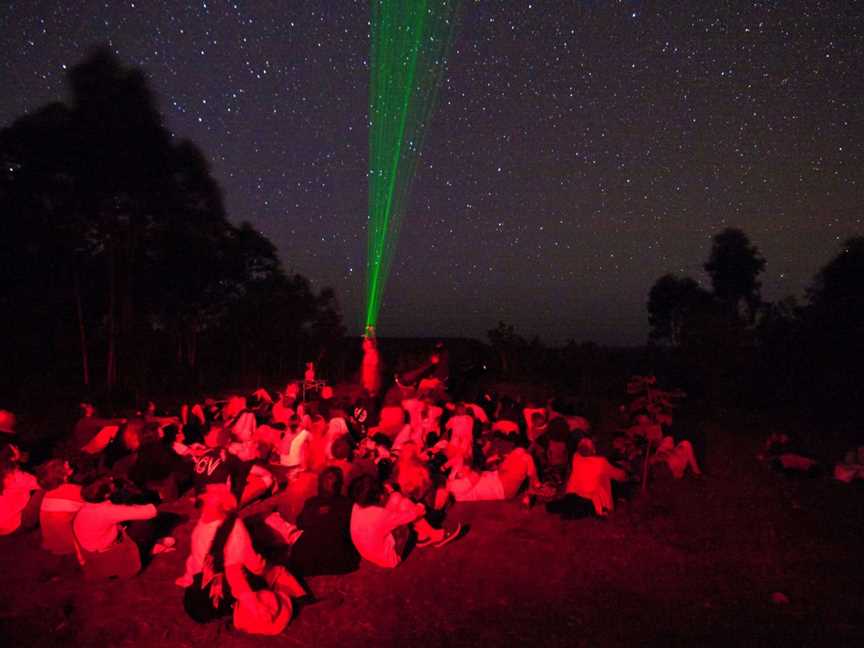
[[696, 562]]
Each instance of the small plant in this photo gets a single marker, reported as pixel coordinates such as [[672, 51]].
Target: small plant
[[651, 409]]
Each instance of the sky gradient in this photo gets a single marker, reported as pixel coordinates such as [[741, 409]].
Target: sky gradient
[[578, 151]]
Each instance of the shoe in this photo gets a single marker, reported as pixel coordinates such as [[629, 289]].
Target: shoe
[[450, 536]]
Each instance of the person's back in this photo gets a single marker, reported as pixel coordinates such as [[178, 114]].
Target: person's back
[[57, 511], [372, 525], [587, 474], [591, 477], [15, 493], [325, 546]]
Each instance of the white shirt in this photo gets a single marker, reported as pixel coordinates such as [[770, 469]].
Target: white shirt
[[17, 487], [372, 529], [292, 449], [97, 525]]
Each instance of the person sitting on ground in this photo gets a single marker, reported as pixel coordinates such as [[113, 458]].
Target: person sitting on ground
[[555, 457], [351, 467], [316, 448], [503, 483], [61, 503], [852, 466], [106, 548], [391, 421], [499, 443], [507, 415], [158, 467], [324, 546], [20, 493], [121, 453], [380, 523], [678, 457], [460, 448], [589, 486], [216, 465], [783, 452], [293, 448], [224, 573]]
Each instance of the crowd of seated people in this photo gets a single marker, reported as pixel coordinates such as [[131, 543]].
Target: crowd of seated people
[[287, 488]]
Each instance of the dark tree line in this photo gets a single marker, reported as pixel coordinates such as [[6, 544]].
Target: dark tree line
[[120, 269], [742, 348]]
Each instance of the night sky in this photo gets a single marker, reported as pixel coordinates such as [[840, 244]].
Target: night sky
[[580, 149]]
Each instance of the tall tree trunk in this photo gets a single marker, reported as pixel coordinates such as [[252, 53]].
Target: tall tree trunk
[[82, 333], [111, 360]]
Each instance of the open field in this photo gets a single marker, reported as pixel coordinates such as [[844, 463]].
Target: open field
[[695, 562]]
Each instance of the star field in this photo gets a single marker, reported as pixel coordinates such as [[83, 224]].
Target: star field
[[578, 151]]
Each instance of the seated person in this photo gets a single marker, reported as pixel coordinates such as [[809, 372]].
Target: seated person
[[380, 524], [61, 503], [460, 448], [293, 448], [467, 485], [105, 548], [590, 481], [224, 573], [391, 421], [157, 466], [678, 457], [553, 450], [20, 493], [852, 466], [216, 465], [324, 546]]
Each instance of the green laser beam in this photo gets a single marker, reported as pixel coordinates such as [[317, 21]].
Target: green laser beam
[[410, 40]]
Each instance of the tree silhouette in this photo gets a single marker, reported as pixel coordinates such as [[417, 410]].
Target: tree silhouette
[[833, 331], [675, 306], [116, 243], [734, 267]]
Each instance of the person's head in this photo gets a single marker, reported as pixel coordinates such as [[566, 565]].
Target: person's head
[[132, 434], [319, 425], [9, 458], [171, 433], [341, 449], [366, 491], [216, 436], [7, 422], [293, 424], [99, 490], [586, 447], [330, 482], [53, 473]]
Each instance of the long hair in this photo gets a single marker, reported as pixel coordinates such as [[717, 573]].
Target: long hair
[[220, 539], [8, 463]]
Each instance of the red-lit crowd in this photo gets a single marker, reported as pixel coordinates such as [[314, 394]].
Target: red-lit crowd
[[304, 482]]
